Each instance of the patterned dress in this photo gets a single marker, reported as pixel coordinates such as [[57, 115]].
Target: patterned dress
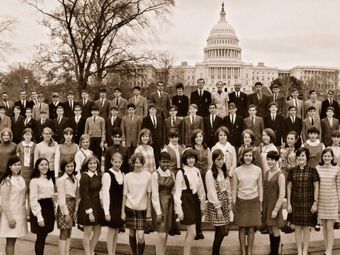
[[149, 155], [329, 192], [302, 194]]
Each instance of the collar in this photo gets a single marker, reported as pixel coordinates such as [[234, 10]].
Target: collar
[[173, 146], [25, 144], [315, 143], [91, 174]]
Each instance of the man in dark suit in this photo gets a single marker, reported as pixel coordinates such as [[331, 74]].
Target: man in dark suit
[[103, 104], [279, 99], [86, 104], [119, 101], [161, 100], [29, 122], [155, 124], [293, 123], [275, 122], [77, 123], [23, 103], [9, 105], [330, 102], [201, 98], [259, 100], [69, 105], [17, 123], [190, 123], [59, 124], [211, 123], [54, 105], [234, 123], [254, 123], [111, 123], [328, 125], [240, 100], [173, 122], [41, 123], [181, 101], [310, 121]]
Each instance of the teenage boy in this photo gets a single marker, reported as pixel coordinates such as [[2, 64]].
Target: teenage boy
[[69, 105], [95, 128], [180, 100], [220, 98], [254, 123], [139, 101], [111, 123], [5, 121], [161, 99], [328, 125], [77, 123], [52, 108], [297, 103], [279, 99], [103, 104], [310, 121], [86, 104], [16, 124], [173, 121], [313, 94], [293, 123], [275, 122], [59, 124], [234, 123], [258, 99], [40, 106], [29, 122], [211, 123], [190, 123], [41, 123], [120, 102], [23, 103], [9, 105]]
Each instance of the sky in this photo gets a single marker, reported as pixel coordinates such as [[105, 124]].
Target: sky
[[281, 34]]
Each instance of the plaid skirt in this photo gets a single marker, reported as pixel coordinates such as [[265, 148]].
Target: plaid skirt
[[211, 211], [135, 219], [71, 206]]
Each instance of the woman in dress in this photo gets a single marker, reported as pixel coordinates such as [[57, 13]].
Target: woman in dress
[[203, 163], [7, 148], [229, 151], [163, 189], [144, 147], [274, 187], [90, 211], [248, 141], [47, 149], [82, 153], [41, 200], [67, 149], [329, 196], [189, 196], [219, 199], [314, 146], [112, 196], [302, 196], [336, 146], [67, 188], [268, 140], [136, 205], [247, 199], [287, 155], [25, 151], [13, 222]]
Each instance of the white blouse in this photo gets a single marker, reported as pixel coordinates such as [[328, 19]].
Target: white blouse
[[106, 185]]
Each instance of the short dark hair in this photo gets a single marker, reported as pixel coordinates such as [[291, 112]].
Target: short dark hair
[[164, 156], [117, 89], [222, 129], [137, 87], [310, 108], [246, 150], [312, 130], [301, 150], [131, 105], [291, 107], [103, 90], [273, 155], [116, 131], [258, 83], [252, 106], [179, 86], [188, 153]]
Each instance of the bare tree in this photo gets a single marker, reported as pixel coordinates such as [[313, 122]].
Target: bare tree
[[94, 35], [6, 25]]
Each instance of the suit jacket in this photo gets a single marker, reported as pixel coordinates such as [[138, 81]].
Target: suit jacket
[[327, 129], [240, 102], [122, 106], [109, 128], [17, 128], [104, 110], [306, 124], [53, 110], [36, 110], [210, 130], [87, 108], [157, 133], [29, 104], [5, 122], [177, 125], [58, 128], [235, 130], [130, 130], [182, 103], [78, 128], [141, 106], [277, 126], [69, 109], [325, 104], [299, 110], [39, 128], [188, 128], [290, 126], [309, 103], [202, 102], [281, 104], [162, 104], [257, 128], [9, 110], [32, 124], [262, 105]]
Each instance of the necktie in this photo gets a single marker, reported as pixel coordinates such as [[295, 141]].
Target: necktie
[[71, 105], [312, 121], [94, 118], [101, 102], [274, 97], [200, 93], [237, 95], [84, 102], [59, 119], [16, 118], [160, 95], [331, 101], [172, 122], [117, 101], [212, 120], [296, 103], [253, 120], [39, 106], [293, 120], [136, 100], [259, 97], [24, 104], [233, 119]]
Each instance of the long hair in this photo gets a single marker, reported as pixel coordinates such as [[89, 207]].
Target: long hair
[[51, 142], [84, 166], [193, 138], [322, 162], [8, 173], [36, 172], [10, 133], [63, 165], [215, 155]]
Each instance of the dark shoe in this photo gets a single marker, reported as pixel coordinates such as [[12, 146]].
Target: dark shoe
[[264, 231], [336, 225], [121, 230], [147, 231], [172, 232], [177, 232], [317, 227], [80, 227], [199, 236]]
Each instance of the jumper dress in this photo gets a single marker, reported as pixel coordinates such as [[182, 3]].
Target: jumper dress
[[166, 200]]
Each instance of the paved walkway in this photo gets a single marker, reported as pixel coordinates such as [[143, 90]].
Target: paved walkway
[[202, 247]]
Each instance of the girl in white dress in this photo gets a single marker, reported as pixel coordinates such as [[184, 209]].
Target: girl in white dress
[[13, 204]]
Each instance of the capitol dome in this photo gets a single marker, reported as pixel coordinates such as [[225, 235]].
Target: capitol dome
[[222, 43]]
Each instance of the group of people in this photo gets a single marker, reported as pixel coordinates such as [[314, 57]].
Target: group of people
[[228, 157]]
